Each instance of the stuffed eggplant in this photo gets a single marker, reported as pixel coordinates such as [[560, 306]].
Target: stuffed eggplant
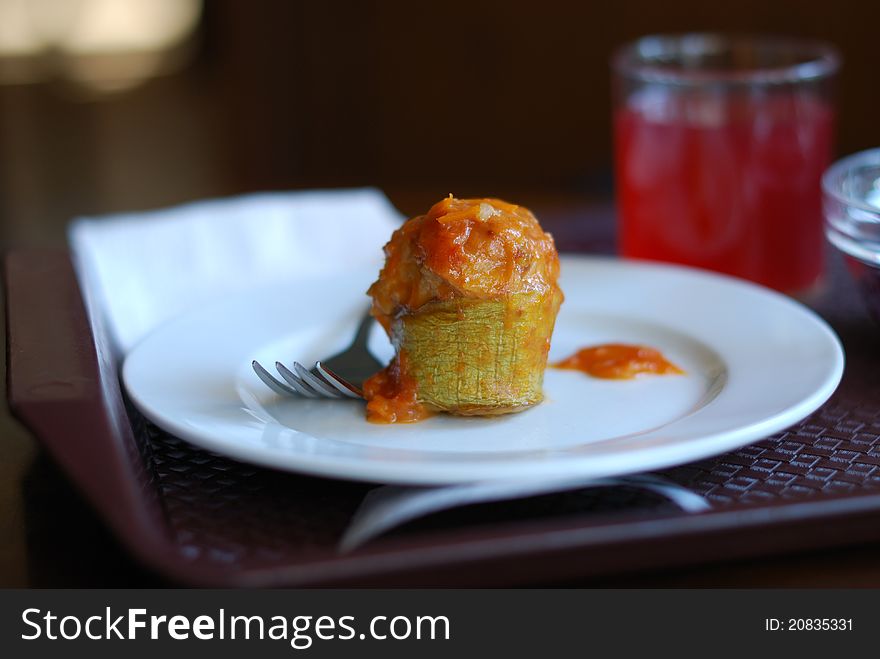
[[468, 296]]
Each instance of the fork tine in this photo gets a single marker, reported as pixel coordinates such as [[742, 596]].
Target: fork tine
[[315, 381], [294, 381], [273, 383], [338, 382]]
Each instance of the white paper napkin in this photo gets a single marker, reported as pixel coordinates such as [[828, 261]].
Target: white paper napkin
[[138, 270], [144, 268]]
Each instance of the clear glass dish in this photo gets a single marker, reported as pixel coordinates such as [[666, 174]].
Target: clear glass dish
[[851, 204]]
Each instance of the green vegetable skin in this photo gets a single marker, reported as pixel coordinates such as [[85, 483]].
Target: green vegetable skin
[[480, 357]]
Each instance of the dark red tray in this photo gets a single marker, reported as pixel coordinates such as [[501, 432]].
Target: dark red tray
[[199, 518]]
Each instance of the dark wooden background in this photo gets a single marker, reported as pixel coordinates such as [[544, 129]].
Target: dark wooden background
[[506, 98], [468, 96]]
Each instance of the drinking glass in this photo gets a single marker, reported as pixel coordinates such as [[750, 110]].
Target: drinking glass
[[720, 145]]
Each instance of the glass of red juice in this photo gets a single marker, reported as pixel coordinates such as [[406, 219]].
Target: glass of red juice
[[720, 145]]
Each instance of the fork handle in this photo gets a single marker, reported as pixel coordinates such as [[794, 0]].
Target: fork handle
[[363, 330]]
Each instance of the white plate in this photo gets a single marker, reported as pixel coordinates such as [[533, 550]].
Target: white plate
[[756, 363]]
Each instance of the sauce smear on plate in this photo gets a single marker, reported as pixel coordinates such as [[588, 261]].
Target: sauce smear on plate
[[619, 361]]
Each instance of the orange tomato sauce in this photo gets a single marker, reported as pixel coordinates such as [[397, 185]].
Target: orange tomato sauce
[[473, 248], [392, 395], [619, 361]]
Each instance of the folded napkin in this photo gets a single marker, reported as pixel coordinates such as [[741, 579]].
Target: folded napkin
[[144, 268], [138, 270]]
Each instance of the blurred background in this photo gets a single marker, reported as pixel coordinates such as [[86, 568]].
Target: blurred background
[[109, 105]]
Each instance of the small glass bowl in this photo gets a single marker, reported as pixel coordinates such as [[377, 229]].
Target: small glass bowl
[[851, 201]]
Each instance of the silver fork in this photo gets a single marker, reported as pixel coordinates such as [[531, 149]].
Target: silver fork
[[339, 376]]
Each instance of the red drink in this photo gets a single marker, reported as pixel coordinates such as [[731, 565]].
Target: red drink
[[723, 171], [729, 187]]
